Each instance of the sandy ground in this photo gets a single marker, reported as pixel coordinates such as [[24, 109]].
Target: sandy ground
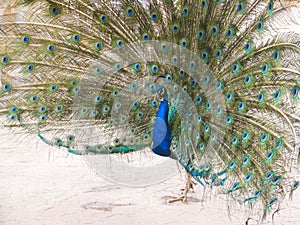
[[43, 185]]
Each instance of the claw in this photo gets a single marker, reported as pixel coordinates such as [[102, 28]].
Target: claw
[[183, 197], [180, 198]]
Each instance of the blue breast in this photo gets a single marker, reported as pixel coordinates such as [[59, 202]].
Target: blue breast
[[162, 133]]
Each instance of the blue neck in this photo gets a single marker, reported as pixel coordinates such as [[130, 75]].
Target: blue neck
[[161, 139]]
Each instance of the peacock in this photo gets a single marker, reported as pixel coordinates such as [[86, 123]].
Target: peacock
[[212, 84]]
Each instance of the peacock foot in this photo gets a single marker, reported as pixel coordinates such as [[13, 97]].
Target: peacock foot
[[188, 186]]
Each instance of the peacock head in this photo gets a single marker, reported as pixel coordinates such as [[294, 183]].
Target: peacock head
[[161, 91]]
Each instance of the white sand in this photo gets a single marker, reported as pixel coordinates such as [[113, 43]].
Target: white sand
[[61, 189]]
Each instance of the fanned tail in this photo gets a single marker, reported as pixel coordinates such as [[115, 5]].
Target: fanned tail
[[94, 76]]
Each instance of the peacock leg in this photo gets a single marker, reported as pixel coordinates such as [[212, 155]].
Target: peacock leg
[[188, 185]]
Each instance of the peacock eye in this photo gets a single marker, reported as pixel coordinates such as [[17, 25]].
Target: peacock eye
[[175, 29], [154, 103], [277, 94], [146, 37], [30, 67], [98, 45], [84, 110], [5, 59], [185, 11], [193, 83], [213, 137], [199, 118], [76, 37], [120, 43], [200, 35], [257, 193], [240, 7], [51, 48], [129, 11], [275, 55], [229, 32], [137, 66], [164, 47], [215, 30], [208, 106], [264, 68], [192, 64], [206, 128], [118, 66], [234, 140], [296, 184], [259, 25], [269, 175], [270, 6], [169, 78], [55, 11], [175, 60], [154, 17], [7, 87], [198, 99], [228, 119], [103, 19], [154, 69], [234, 67], [206, 79], [26, 39]]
